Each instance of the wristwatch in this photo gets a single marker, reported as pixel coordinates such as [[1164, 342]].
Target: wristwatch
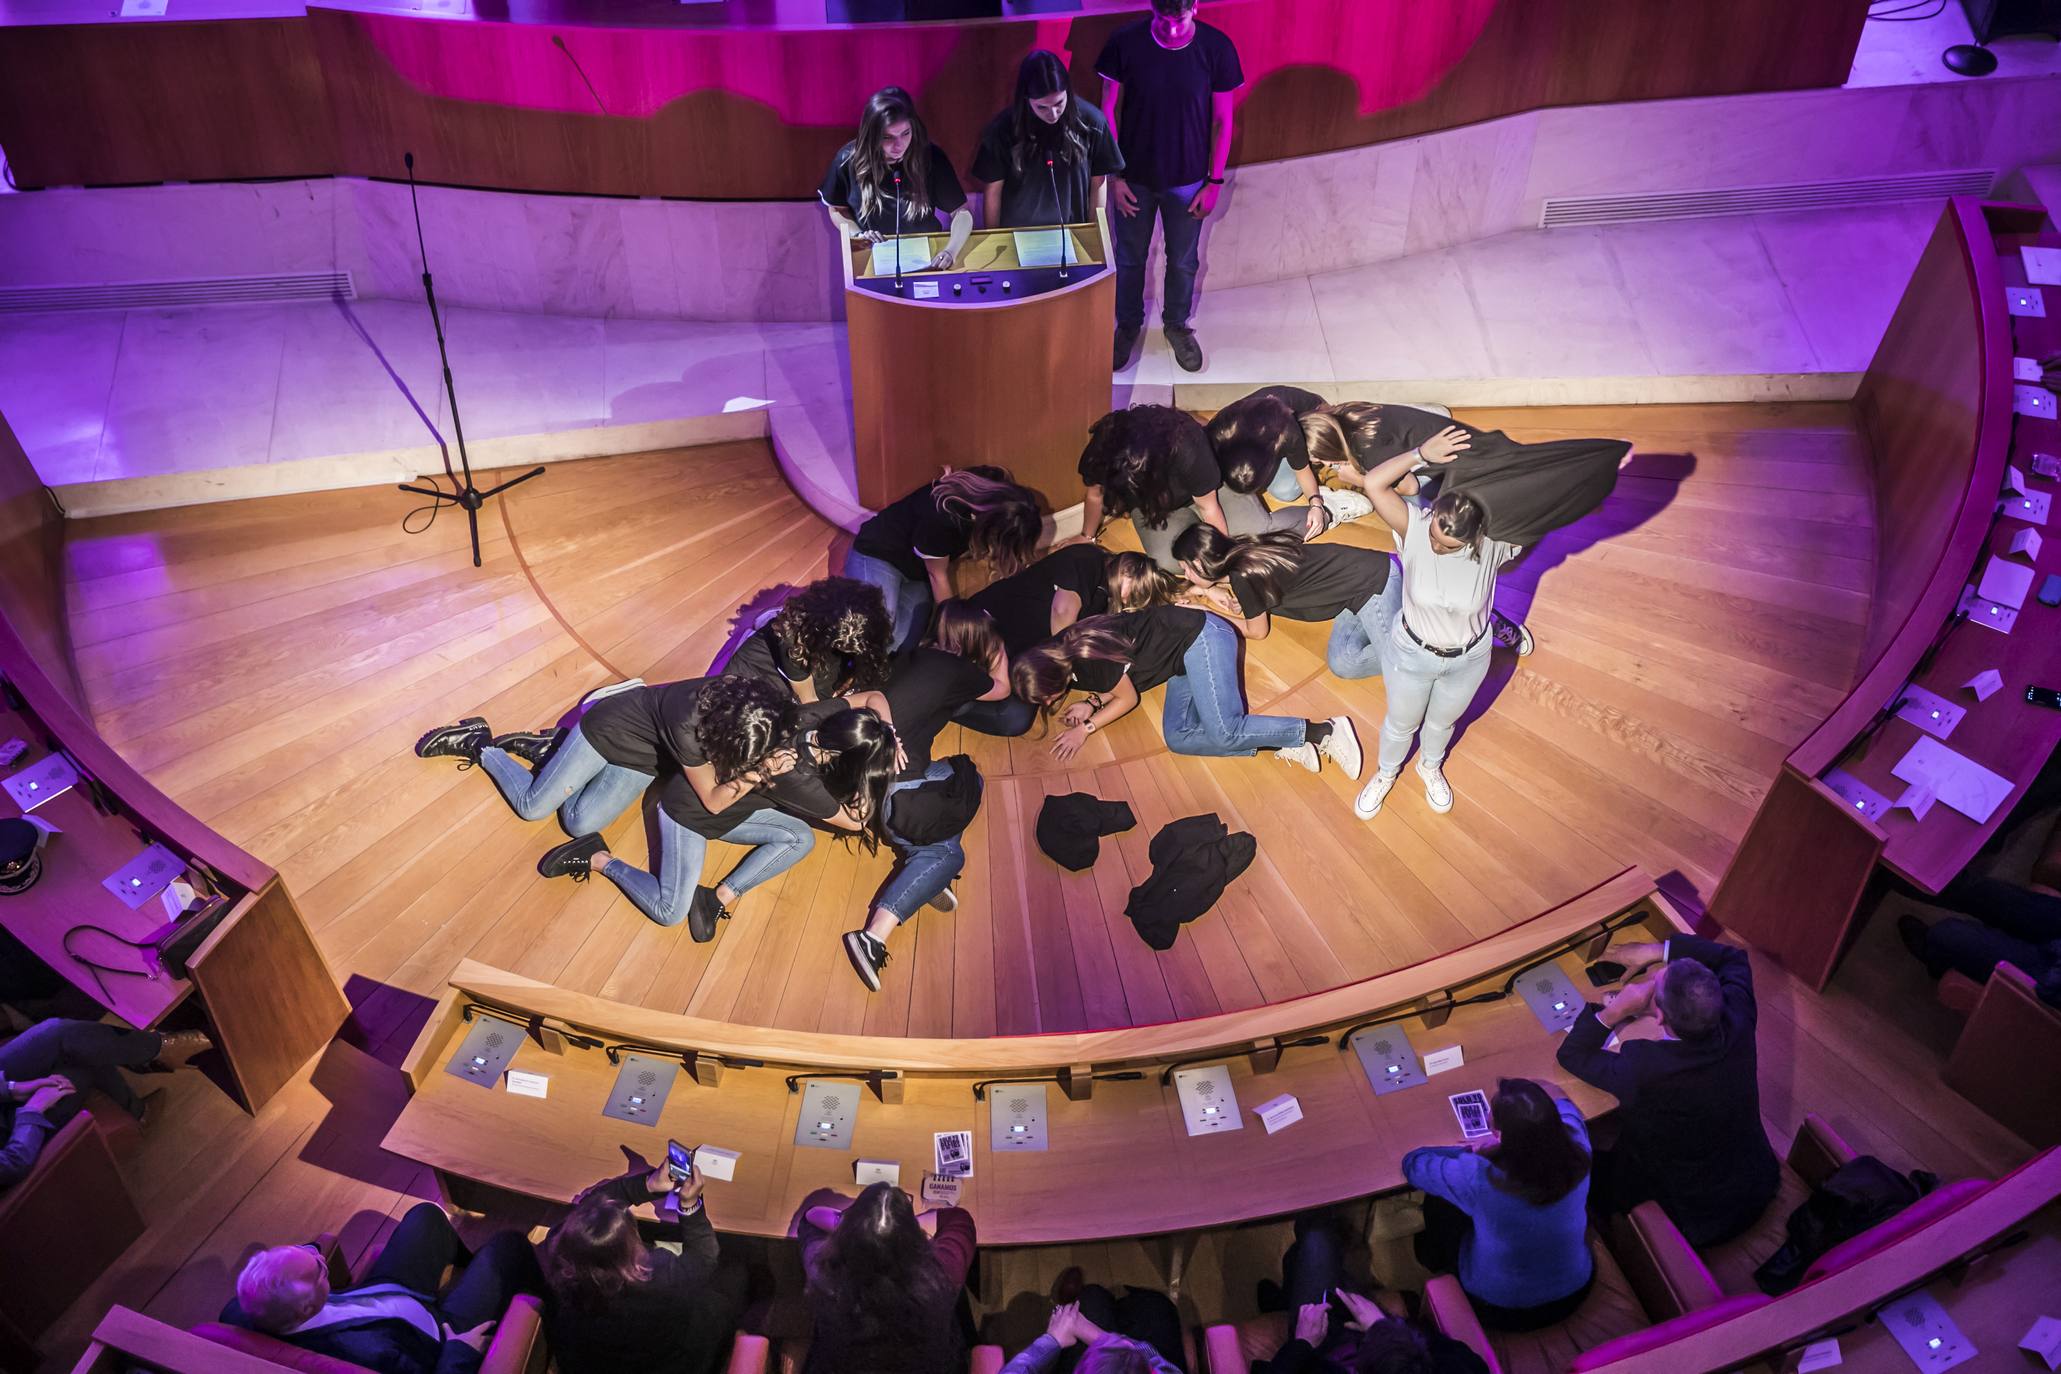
[[1214, 181]]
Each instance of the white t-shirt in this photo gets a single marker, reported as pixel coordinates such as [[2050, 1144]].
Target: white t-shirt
[[1446, 596]]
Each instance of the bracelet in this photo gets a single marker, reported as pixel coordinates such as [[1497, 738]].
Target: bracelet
[[1214, 181]]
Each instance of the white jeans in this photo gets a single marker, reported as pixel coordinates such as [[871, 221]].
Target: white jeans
[[1426, 693]]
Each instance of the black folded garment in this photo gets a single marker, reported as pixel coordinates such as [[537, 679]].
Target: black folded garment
[[1193, 861], [1070, 828]]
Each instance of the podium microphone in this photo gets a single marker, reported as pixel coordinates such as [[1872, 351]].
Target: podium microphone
[[1052, 180], [898, 231]]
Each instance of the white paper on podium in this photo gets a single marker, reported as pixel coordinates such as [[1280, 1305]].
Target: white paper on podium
[[1985, 683], [915, 252], [2005, 583], [2027, 542], [2042, 265], [1960, 782], [1041, 247], [2025, 369]]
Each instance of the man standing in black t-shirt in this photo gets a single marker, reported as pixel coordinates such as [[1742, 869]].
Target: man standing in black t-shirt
[[1166, 85]]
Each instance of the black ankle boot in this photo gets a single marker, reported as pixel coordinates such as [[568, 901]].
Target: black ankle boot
[[531, 746], [571, 859], [461, 741]]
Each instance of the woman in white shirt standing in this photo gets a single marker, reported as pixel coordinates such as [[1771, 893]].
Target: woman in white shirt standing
[[1438, 651]]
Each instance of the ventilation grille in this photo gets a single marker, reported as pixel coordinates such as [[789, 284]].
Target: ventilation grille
[[138, 295], [1561, 212]]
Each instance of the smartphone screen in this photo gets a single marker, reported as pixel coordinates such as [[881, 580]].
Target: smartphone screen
[[679, 1160], [2044, 696]]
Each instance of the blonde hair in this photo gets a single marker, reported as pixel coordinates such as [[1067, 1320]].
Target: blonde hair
[[1330, 431]]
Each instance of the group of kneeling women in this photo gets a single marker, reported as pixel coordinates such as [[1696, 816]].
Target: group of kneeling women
[[827, 710]]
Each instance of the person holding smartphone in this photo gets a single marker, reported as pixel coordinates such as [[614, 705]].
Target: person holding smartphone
[[1044, 158], [613, 1302], [892, 166]]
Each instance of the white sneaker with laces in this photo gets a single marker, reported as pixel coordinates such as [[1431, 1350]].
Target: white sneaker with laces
[[946, 900], [1342, 747], [1438, 793], [1304, 754], [1345, 505], [1368, 804]]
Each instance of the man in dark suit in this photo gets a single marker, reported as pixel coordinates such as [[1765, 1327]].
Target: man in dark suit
[[1689, 1130], [394, 1322]]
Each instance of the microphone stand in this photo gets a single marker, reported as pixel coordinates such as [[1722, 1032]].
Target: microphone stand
[[1052, 179], [468, 496], [898, 231]]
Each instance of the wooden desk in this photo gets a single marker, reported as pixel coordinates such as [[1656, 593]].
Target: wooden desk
[[1120, 1161], [1937, 406]]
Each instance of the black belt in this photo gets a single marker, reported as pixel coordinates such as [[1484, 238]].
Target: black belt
[[1434, 649]]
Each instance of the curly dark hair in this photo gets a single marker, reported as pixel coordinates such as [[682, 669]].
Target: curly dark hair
[[1133, 451], [741, 720], [839, 626], [880, 1299]]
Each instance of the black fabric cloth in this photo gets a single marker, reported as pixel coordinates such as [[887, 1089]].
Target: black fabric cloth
[[1689, 1129], [762, 656], [800, 790], [1327, 579], [678, 799], [1297, 400], [1526, 490], [650, 729], [677, 1321], [909, 529], [841, 189], [1861, 1193], [937, 810], [1021, 605], [1192, 465], [2001, 922], [1027, 191], [1193, 861], [1070, 828], [1163, 122], [1159, 635], [925, 687], [415, 1257]]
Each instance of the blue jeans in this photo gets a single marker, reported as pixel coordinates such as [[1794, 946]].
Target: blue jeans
[[1205, 705], [585, 789], [1009, 717], [1134, 243], [778, 842], [1359, 637], [908, 602], [925, 869], [1285, 486]]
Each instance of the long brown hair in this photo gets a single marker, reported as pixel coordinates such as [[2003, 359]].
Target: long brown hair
[[592, 1255], [1332, 433], [1135, 582], [870, 170], [1041, 675], [967, 633], [1265, 562], [1002, 518], [1536, 1157], [877, 1291]]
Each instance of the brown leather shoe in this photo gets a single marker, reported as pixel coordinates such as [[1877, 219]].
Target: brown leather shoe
[[179, 1049], [1067, 1287]]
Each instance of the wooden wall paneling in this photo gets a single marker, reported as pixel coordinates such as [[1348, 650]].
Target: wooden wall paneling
[[757, 113], [1795, 884], [2007, 1060], [75, 1191], [32, 567], [269, 994]]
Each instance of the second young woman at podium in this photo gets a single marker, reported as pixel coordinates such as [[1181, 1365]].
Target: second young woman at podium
[[893, 163], [1045, 156]]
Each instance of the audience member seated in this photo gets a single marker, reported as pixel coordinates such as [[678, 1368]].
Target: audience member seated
[[884, 1284], [1139, 1333], [2000, 923], [614, 1303], [395, 1321], [46, 1071], [1509, 1214], [1689, 1128]]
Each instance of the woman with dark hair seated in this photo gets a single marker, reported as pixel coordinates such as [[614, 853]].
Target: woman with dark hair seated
[[884, 1284], [614, 1303], [829, 638], [1266, 575], [1155, 464], [741, 740], [1509, 1213], [46, 1071], [911, 548], [1045, 156]]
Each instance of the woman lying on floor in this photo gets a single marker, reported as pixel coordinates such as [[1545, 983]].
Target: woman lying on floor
[[1262, 576]]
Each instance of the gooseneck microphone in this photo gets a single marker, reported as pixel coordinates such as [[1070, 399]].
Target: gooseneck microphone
[[898, 231], [1052, 180]]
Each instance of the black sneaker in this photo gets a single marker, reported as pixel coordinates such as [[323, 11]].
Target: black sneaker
[[531, 746], [1126, 345], [461, 741], [1187, 351], [868, 957], [570, 860], [702, 914]]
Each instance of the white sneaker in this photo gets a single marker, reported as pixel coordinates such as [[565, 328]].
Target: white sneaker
[[1510, 634], [1304, 754], [1345, 505], [1368, 804], [1342, 747], [1438, 793], [946, 900]]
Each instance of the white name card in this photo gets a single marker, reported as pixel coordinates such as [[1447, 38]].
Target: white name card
[[528, 1084], [1442, 1061], [711, 1162], [1280, 1112]]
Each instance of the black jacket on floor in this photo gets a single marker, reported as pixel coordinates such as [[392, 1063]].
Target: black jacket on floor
[[1193, 861]]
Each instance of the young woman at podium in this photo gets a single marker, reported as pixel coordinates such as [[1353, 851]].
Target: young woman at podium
[[893, 166], [1044, 157]]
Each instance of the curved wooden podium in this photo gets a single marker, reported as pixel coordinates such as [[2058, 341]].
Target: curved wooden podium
[[993, 362]]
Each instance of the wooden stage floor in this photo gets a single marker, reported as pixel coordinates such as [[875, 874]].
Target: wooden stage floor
[[269, 663]]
